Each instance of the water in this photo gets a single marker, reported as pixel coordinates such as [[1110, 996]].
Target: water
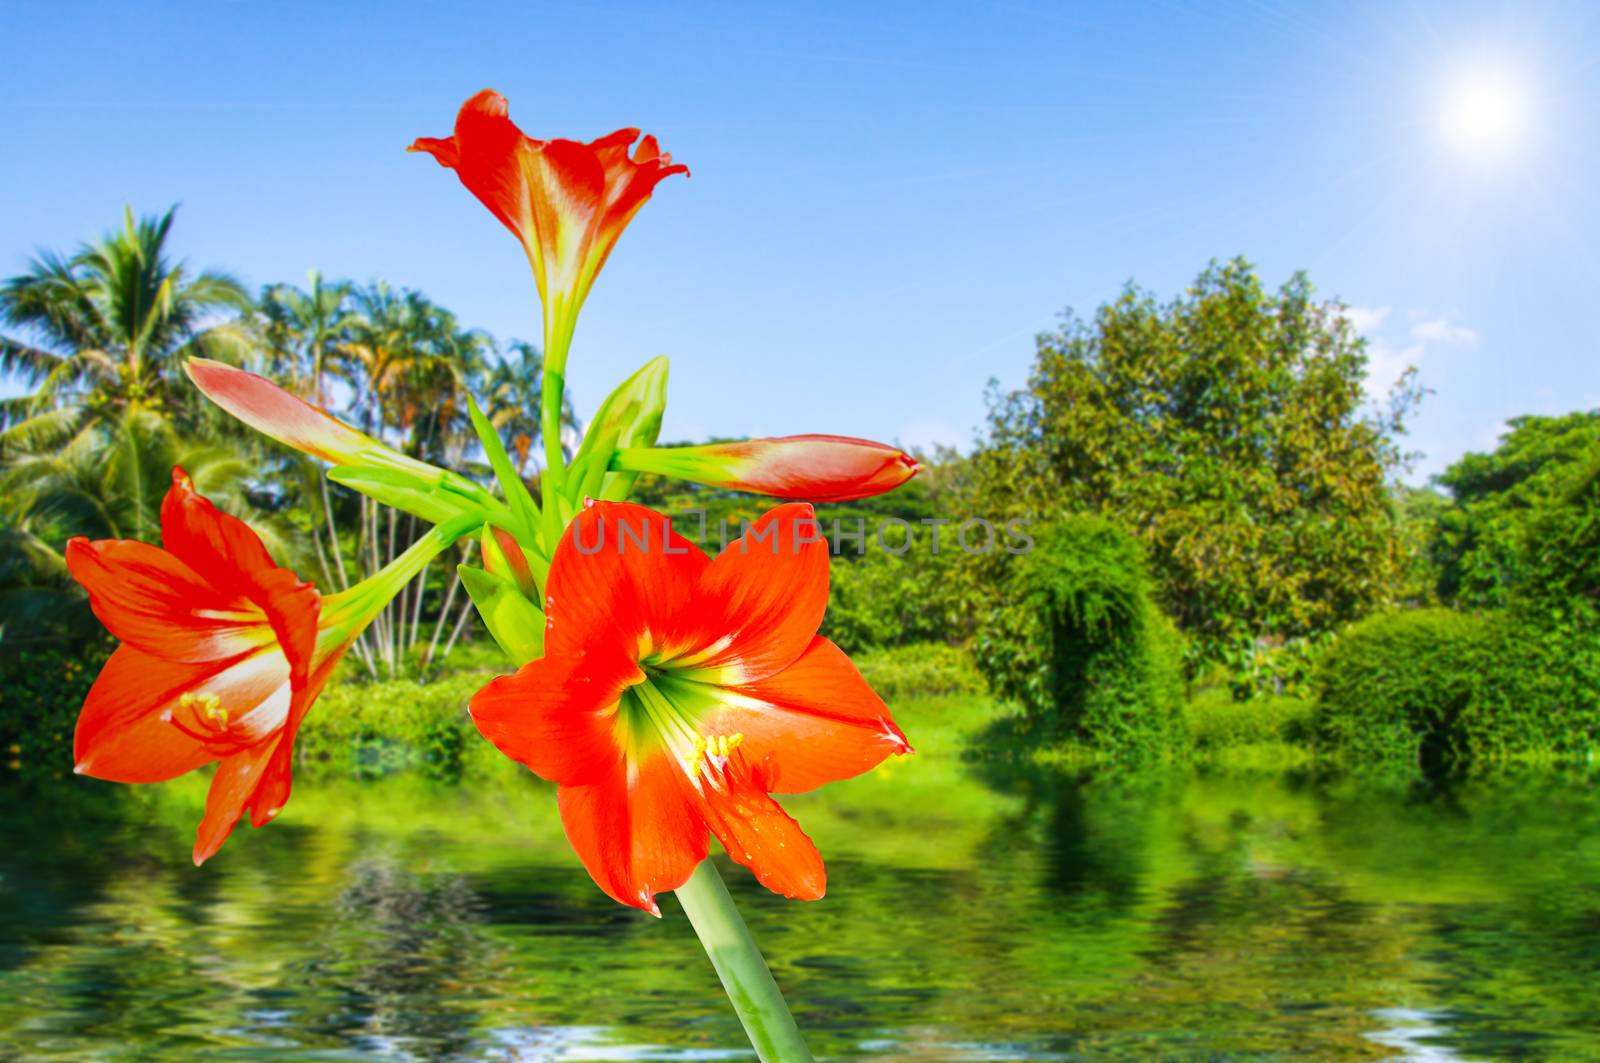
[[974, 913]]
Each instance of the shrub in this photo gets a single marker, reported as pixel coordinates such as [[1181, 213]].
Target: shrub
[[1538, 692], [43, 691], [1075, 637], [922, 670], [1437, 686], [883, 599], [1217, 721], [1396, 681], [381, 727], [1561, 555]]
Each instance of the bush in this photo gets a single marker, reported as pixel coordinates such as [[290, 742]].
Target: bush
[[1538, 693], [1216, 721], [43, 691], [1561, 555], [1437, 686], [381, 727], [881, 599], [1074, 636], [1396, 681], [923, 670]]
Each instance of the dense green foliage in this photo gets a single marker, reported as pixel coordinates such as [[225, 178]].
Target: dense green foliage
[[1216, 721], [99, 338], [104, 332], [1398, 682], [933, 669], [42, 692], [1075, 637], [1226, 430], [376, 728], [1560, 557], [1436, 686], [1497, 532]]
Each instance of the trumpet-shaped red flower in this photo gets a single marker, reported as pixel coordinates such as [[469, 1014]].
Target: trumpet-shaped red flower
[[816, 468], [567, 201], [222, 654], [678, 692]]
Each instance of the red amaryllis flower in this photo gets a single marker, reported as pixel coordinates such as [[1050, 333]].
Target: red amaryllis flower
[[816, 468], [567, 201], [222, 654], [678, 692]]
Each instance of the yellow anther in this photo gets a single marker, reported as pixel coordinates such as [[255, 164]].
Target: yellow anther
[[206, 705], [707, 747]]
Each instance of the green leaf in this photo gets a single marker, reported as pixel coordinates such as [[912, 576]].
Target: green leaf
[[434, 503], [523, 508], [516, 623], [629, 417]]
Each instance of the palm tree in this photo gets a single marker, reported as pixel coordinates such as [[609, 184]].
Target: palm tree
[[105, 483], [308, 333], [104, 332], [412, 368]]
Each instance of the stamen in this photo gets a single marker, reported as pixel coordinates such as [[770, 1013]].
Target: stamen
[[206, 705], [715, 750], [208, 720]]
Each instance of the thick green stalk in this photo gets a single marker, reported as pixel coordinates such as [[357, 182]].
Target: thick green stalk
[[755, 996], [555, 466]]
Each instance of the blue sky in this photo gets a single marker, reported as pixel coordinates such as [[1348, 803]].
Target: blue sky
[[887, 201]]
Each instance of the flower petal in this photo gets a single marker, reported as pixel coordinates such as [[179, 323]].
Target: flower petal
[[815, 722], [567, 201], [226, 553], [150, 599], [566, 190], [768, 590], [232, 788], [635, 830], [121, 736], [758, 833], [621, 580], [816, 468], [275, 413], [557, 715], [484, 153]]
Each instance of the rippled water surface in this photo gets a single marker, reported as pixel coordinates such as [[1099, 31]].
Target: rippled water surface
[[974, 913]]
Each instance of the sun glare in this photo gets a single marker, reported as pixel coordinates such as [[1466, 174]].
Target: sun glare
[[1484, 113]]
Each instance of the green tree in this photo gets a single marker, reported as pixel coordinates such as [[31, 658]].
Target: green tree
[[1481, 544], [107, 482], [105, 331], [1227, 430], [308, 334]]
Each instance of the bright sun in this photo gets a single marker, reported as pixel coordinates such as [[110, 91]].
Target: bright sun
[[1484, 113]]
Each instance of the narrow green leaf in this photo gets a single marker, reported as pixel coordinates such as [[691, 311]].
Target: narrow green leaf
[[523, 507]]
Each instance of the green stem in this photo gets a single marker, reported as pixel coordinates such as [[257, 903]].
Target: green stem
[[555, 465], [755, 996]]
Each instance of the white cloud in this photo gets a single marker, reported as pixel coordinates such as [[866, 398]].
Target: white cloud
[[1441, 330], [1366, 319], [1390, 353]]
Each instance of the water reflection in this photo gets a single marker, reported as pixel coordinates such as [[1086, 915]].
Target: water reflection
[[976, 912]]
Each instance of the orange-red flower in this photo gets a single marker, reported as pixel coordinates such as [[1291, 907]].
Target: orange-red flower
[[222, 654], [815, 468], [677, 692], [567, 201]]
